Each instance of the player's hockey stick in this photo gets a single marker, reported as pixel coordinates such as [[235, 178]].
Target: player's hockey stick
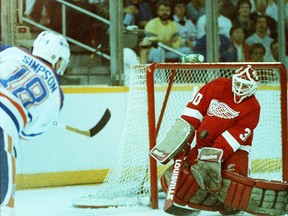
[[92, 131]]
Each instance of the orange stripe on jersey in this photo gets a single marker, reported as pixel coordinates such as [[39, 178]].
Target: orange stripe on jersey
[[10, 145], [18, 107], [11, 202]]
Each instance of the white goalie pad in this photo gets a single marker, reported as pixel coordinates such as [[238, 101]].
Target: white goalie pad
[[176, 138]]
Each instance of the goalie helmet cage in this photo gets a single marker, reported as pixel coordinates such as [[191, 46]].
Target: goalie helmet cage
[[158, 94]]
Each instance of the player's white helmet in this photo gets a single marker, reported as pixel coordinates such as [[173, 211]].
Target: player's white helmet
[[244, 83], [51, 47]]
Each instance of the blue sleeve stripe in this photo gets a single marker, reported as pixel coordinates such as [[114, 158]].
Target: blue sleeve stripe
[[30, 135], [3, 47]]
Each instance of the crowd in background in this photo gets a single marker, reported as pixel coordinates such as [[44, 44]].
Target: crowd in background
[[247, 28]]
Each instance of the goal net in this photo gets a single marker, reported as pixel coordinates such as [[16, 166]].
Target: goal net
[[158, 94]]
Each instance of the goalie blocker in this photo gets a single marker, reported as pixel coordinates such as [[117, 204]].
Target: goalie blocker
[[174, 141]]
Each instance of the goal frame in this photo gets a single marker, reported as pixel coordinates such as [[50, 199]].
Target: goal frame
[[154, 127]]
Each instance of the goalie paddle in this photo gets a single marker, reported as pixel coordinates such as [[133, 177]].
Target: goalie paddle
[[92, 131], [169, 206]]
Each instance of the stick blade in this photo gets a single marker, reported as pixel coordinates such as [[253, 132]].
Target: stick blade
[[101, 124], [175, 210], [170, 206]]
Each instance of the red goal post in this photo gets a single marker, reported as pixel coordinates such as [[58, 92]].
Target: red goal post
[[167, 77]]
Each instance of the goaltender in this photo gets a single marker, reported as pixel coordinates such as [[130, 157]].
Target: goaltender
[[213, 175]]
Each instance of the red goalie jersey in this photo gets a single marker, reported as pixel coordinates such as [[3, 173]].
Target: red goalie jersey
[[219, 121]]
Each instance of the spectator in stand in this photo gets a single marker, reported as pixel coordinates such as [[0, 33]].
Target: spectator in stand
[[230, 8], [152, 5], [261, 35], [260, 10], [257, 52], [224, 23], [136, 12], [195, 9], [186, 27], [243, 19], [274, 57], [237, 37], [272, 9], [166, 32], [227, 53]]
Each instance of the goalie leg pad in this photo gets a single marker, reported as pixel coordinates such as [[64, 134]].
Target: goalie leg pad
[[255, 196], [174, 141], [185, 188], [189, 193]]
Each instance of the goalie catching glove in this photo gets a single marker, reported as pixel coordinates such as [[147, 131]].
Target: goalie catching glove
[[207, 171], [174, 141]]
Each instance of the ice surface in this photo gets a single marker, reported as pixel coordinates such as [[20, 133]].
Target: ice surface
[[58, 202]]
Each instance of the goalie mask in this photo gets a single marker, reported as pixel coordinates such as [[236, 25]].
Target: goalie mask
[[52, 47], [244, 83]]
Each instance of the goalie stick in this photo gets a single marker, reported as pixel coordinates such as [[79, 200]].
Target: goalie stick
[[92, 131], [170, 206]]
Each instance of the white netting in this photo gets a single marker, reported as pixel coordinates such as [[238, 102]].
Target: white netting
[[127, 182], [129, 175]]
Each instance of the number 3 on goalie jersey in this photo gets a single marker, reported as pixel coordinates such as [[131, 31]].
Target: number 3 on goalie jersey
[[245, 135], [31, 90]]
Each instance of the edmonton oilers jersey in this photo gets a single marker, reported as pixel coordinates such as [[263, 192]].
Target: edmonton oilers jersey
[[30, 94]]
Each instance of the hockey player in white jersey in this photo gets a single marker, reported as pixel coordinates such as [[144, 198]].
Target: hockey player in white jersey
[[30, 100]]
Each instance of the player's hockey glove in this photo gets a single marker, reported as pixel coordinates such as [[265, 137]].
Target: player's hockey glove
[[207, 171]]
